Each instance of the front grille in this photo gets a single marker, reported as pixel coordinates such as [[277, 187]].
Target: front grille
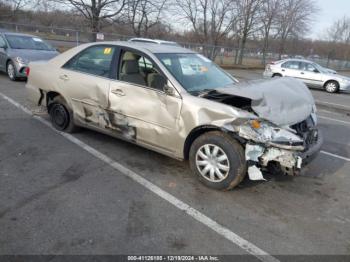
[[311, 137], [307, 130], [304, 126]]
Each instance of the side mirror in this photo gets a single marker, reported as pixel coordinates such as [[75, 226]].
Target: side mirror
[[169, 90], [316, 71]]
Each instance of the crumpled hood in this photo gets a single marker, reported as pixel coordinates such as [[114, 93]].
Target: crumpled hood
[[282, 101], [33, 55]]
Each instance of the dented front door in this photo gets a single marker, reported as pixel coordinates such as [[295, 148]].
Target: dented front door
[[145, 115]]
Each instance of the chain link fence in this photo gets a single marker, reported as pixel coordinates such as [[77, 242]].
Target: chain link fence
[[65, 38]]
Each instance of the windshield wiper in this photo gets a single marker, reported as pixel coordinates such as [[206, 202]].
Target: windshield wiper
[[200, 92]]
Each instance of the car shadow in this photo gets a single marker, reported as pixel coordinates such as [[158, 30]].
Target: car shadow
[[143, 160]]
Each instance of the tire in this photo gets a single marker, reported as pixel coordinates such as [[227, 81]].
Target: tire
[[277, 75], [232, 170], [332, 87], [61, 116], [11, 71]]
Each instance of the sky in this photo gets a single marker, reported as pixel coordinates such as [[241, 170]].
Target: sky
[[330, 10]]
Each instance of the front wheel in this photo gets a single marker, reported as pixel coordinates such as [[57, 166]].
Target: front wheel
[[11, 71], [332, 87], [218, 160]]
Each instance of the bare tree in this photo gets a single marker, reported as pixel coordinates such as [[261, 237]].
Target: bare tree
[[269, 11], [247, 23], [210, 20], [142, 15], [18, 5], [339, 32], [294, 19], [95, 11]]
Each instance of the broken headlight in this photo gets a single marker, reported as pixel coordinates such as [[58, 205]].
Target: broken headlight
[[268, 133], [21, 60]]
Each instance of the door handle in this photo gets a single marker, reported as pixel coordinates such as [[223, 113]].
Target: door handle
[[283, 70], [118, 92], [64, 77], [302, 73]]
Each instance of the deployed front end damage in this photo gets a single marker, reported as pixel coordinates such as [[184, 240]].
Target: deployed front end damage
[[284, 150], [282, 132]]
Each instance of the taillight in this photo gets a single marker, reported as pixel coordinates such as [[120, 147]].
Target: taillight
[[27, 71]]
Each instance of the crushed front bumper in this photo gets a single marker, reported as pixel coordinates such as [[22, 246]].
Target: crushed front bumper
[[289, 161]]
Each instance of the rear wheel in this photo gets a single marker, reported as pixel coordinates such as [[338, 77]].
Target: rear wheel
[[61, 116], [218, 160], [11, 71], [332, 87], [276, 75]]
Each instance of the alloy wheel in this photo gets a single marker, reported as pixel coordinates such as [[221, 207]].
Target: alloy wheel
[[11, 71]]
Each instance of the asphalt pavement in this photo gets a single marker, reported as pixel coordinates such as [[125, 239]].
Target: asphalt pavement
[[93, 194]]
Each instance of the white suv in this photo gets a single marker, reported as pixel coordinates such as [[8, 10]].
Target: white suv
[[310, 73]]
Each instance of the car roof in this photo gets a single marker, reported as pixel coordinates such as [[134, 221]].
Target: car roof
[[156, 41], [150, 47], [297, 60]]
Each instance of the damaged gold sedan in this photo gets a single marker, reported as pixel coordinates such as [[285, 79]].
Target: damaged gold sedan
[[179, 103]]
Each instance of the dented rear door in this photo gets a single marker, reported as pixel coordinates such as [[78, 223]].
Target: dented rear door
[[85, 80]]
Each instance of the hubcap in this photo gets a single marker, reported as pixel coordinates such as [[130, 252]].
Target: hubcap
[[212, 163], [331, 87], [11, 71]]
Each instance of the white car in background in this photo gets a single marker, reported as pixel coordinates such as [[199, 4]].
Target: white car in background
[[153, 41], [310, 73]]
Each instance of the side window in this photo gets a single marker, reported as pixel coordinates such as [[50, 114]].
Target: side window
[[95, 60], [285, 65], [137, 69], [2, 42], [291, 65], [307, 67]]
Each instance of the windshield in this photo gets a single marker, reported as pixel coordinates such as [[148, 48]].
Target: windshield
[[28, 42], [195, 72]]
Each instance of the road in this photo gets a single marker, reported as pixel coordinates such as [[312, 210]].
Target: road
[[93, 194]]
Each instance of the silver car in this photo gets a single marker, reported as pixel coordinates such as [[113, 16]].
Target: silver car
[[310, 73], [17, 50]]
